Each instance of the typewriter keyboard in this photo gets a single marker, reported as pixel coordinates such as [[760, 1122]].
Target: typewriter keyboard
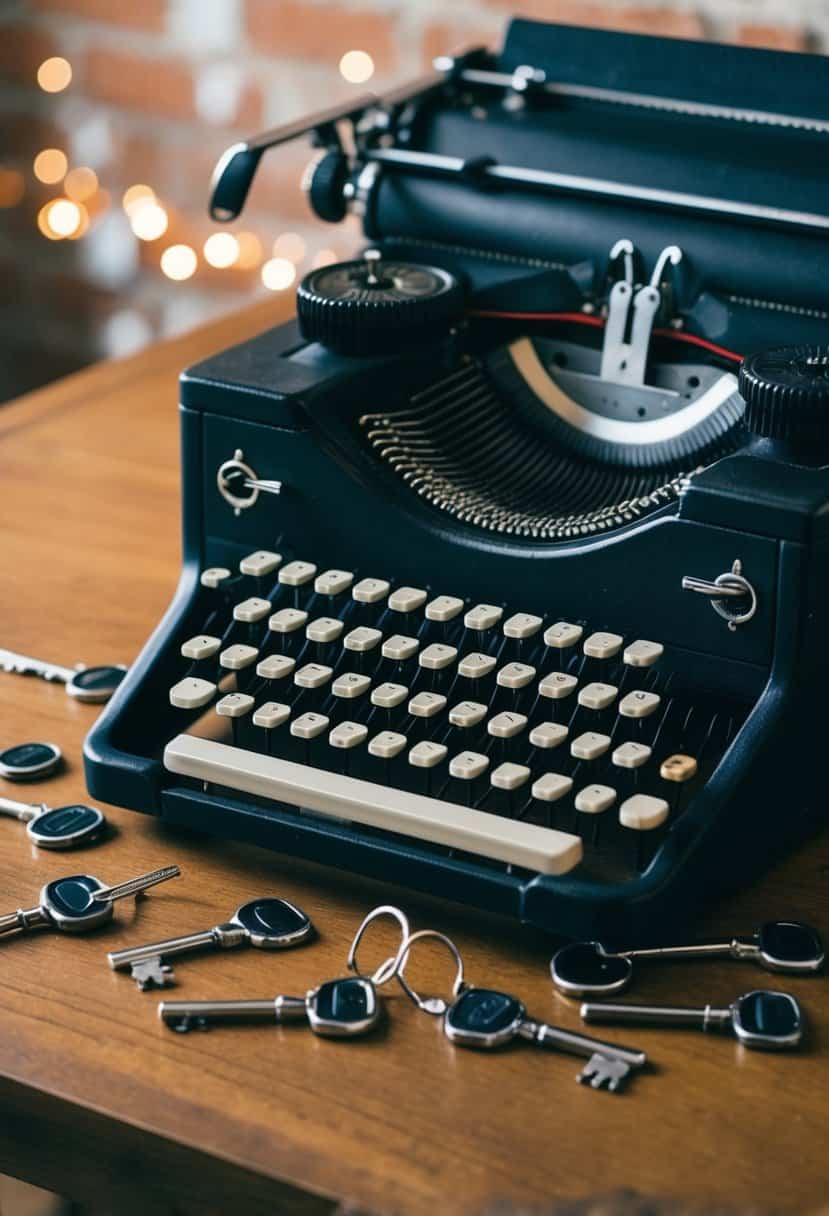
[[528, 741]]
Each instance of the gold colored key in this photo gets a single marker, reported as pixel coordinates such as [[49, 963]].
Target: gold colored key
[[678, 768]]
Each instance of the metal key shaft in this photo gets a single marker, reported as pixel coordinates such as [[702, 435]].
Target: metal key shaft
[[557, 1039], [703, 1018], [203, 1013], [223, 937]]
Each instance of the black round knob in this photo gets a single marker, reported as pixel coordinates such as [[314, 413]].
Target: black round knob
[[373, 305], [787, 393], [325, 183]]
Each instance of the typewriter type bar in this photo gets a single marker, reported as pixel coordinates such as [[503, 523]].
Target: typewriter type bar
[[545, 850]]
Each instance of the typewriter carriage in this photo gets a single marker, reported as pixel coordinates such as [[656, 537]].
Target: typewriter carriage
[[346, 434]]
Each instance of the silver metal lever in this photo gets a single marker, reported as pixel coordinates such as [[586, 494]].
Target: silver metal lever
[[724, 591], [235, 474]]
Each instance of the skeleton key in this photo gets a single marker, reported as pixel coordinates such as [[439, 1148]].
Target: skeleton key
[[337, 1009], [768, 1021], [58, 827], [485, 1018], [92, 684], [80, 902], [270, 924], [586, 968], [481, 1017]]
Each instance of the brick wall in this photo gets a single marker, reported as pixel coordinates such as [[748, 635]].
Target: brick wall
[[160, 87]]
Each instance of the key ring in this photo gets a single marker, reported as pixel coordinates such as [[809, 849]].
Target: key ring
[[392, 965], [435, 1005]]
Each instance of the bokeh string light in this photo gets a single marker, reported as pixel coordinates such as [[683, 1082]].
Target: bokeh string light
[[148, 220], [12, 187], [221, 250], [356, 67], [278, 274], [80, 184], [289, 245], [54, 75], [50, 166], [179, 262]]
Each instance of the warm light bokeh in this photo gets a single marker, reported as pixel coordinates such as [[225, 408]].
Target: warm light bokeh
[[179, 262], [54, 74], [50, 165], [356, 67]]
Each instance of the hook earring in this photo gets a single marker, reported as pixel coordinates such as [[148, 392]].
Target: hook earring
[[390, 967], [435, 1005]]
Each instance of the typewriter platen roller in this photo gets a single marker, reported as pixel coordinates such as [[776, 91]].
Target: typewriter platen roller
[[505, 565]]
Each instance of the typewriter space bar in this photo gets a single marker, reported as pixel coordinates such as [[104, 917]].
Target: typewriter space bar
[[378, 806]]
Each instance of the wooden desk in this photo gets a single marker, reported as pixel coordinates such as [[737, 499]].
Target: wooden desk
[[99, 1102]]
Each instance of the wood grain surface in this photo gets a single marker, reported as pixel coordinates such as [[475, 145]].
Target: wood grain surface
[[99, 1101]]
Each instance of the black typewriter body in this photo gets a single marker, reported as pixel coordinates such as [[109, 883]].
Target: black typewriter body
[[492, 460]]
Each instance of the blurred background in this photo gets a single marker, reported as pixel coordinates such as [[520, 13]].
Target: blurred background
[[113, 113]]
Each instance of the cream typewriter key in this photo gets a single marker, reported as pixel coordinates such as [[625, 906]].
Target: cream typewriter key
[[407, 599], [234, 705], [275, 667], [476, 666], [214, 576], [427, 754], [287, 620], [466, 766], [515, 675], [387, 745], [642, 654], [444, 608], [389, 696], [312, 675], [238, 657], [509, 776], [252, 610], [426, 704], [370, 590], [437, 656], [631, 755], [595, 799], [483, 617], [261, 563], [603, 645], [548, 735], [399, 647], [597, 696], [551, 787], [350, 685], [200, 648], [557, 686], [192, 693], [271, 714], [362, 639], [309, 726], [643, 813], [639, 704], [324, 629], [348, 734], [333, 582], [522, 625], [506, 725], [590, 745], [467, 714], [563, 635], [297, 574], [30, 761]]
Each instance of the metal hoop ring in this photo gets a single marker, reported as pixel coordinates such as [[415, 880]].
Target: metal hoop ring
[[722, 607], [390, 967], [435, 1005]]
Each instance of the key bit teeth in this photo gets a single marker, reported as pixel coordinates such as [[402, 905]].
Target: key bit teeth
[[601, 1072], [152, 973]]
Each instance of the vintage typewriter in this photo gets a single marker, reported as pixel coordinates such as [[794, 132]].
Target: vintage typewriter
[[506, 567]]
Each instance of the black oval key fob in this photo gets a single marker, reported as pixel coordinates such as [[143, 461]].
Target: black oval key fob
[[70, 905], [481, 1017], [66, 827], [343, 1008], [583, 968], [769, 1020], [790, 946], [29, 761], [273, 923], [95, 684]]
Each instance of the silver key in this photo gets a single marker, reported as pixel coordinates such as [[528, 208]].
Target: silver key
[[767, 1021], [59, 827], [269, 924], [337, 1009], [91, 684], [587, 968], [80, 902]]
